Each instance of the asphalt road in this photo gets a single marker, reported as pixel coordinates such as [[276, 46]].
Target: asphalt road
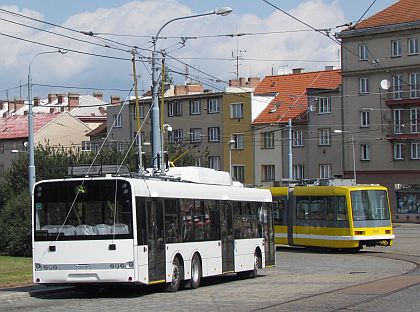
[[376, 279]]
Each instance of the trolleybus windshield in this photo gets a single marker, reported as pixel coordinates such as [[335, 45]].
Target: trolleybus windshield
[[76, 210], [369, 205]]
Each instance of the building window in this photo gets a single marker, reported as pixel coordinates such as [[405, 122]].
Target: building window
[[141, 136], [214, 162], [120, 146], [324, 137], [195, 107], [324, 105], [325, 171], [398, 151], [397, 121], [297, 138], [213, 106], [268, 172], [363, 52], [364, 119], [117, 121], [198, 162], [195, 135], [236, 110], [141, 111], [364, 152], [413, 46], [414, 79], [178, 135], [395, 48], [86, 146], [363, 85], [298, 172], [268, 139], [1, 148], [414, 120], [415, 150], [174, 108], [1, 168], [396, 82], [238, 173], [214, 134], [239, 141]]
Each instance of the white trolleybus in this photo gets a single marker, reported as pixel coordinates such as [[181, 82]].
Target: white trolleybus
[[175, 229]]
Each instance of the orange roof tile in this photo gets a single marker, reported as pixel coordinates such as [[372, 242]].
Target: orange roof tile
[[403, 11], [16, 126], [291, 100]]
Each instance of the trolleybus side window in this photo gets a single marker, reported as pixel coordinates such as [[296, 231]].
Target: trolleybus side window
[[212, 214], [172, 227], [141, 221], [237, 220], [186, 210]]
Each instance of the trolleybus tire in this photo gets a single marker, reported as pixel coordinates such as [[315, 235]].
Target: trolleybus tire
[[196, 272], [254, 272], [177, 276]]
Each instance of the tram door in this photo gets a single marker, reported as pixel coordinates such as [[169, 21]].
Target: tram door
[[226, 229], [156, 242]]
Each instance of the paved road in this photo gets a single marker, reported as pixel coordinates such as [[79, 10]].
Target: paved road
[[375, 279]]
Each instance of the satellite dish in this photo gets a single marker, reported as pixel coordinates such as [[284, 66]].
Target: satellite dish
[[385, 85]]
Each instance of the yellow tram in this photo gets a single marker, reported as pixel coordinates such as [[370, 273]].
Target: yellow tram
[[343, 217]]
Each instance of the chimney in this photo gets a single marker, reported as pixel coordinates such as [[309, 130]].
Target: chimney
[[297, 70], [36, 101], [51, 97], [19, 103], [188, 89], [115, 100], [60, 98], [330, 67], [73, 100], [98, 95]]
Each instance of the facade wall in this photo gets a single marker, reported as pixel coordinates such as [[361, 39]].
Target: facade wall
[[383, 166], [243, 155]]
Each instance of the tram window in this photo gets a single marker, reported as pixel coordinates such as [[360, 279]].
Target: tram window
[[317, 208], [172, 229], [278, 210], [302, 208], [340, 203], [186, 209], [329, 208]]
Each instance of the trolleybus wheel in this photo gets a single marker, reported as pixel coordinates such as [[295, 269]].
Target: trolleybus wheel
[[254, 273], [177, 275], [196, 272]]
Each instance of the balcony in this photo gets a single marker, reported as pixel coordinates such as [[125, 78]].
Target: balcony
[[401, 132], [405, 95]]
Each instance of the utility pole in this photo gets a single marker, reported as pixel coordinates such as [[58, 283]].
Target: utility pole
[[136, 94], [290, 158]]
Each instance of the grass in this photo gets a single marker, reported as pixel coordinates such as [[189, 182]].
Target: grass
[[15, 271]]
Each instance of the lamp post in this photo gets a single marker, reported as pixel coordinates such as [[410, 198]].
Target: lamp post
[[156, 144], [231, 143], [31, 148], [352, 147]]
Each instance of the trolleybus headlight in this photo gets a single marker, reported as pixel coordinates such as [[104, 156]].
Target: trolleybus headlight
[[111, 266], [131, 264], [38, 267], [54, 267], [45, 267]]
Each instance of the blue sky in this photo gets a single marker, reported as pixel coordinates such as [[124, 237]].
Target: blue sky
[[277, 43]]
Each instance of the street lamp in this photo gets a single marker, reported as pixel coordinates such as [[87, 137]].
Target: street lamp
[[231, 143], [352, 146], [156, 144], [31, 148]]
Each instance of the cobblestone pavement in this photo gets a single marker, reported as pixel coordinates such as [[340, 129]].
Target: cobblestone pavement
[[302, 280]]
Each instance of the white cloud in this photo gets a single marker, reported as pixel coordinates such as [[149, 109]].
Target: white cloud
[[143, 18]]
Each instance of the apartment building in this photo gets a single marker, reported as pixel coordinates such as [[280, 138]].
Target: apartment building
[[381, 100], [312, 102]]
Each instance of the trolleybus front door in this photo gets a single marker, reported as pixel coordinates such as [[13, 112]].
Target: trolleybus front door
[[226, 227], [156, 243]]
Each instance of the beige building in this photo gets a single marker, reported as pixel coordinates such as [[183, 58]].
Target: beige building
[[55, 129], [381, 101]]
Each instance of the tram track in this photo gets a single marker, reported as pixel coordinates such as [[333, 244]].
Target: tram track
[[361, 293]]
